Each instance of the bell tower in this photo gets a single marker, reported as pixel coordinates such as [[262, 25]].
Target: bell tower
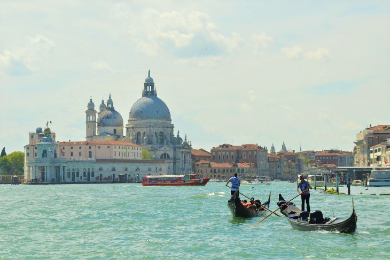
[[90, 122]]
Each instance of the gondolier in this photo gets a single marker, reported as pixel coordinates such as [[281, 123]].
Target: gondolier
[[303, 190], [235, 184]]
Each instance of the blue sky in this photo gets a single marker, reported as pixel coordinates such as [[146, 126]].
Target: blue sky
[[309, 73]]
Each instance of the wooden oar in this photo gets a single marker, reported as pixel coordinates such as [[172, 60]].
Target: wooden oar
[[264, 207], [278, 208]]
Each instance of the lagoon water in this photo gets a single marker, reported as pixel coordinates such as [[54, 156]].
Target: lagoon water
[[128, 221]]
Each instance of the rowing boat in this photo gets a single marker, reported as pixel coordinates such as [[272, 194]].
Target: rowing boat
[[305, 221], [239, 210]]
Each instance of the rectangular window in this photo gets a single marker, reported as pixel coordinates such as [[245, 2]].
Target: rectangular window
[[63, 154], [79, 147], [108, 147], [28, 154], [98, 147], [35, 155], [63, 148], [71, 154], [90, 147], [79, 153], [28, 148], [71, 147]]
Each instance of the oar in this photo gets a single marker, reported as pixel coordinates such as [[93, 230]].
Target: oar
[[278, 208], [264, 207]]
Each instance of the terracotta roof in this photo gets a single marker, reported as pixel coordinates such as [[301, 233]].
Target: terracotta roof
[[245, 165], [200, 152], [98, 143], [380, 128], [332, 154]]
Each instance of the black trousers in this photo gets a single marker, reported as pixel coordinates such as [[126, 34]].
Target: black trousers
[[306, 198]]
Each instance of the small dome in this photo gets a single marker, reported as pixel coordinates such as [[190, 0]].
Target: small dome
[[110, 118], [149, 80], [150, 107], [47, 131], [102, 105], [109, 100], [38, 130], [91, 104]]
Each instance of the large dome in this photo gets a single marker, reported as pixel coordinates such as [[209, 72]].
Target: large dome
[[150, 107], [110, 118]]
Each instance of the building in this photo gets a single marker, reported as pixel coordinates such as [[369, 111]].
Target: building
[[367, 138], [335, 157], [107, 153], [246, 153], [199, 155], [380, 154]]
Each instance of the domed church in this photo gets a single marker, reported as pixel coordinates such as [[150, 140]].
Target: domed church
[[149, 125]]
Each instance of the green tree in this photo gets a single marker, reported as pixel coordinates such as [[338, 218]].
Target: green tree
[[16, 160], [3, 153], [145, 154], [4, 165]]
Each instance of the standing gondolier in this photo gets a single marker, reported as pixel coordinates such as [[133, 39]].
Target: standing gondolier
[[303, 189], [235, 185]]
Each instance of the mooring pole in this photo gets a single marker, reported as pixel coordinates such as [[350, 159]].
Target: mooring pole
[[315, 181], [337, 183], [325, 179], [348, 184]]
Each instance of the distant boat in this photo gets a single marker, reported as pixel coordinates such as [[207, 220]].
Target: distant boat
[[261, 181], [174, 180], [357, 183], [379, 178]]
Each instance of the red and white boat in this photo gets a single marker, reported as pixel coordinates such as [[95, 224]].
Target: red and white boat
[[174, 180]]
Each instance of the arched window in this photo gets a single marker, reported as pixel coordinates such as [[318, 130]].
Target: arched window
[[113, 169], [161, 138], [100, 169], [164, 156]]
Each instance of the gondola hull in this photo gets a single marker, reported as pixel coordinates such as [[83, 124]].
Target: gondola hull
[[239, 210], [292, 212]]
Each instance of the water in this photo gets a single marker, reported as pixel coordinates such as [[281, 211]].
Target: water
[[128, 221]]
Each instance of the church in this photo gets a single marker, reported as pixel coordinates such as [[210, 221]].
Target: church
[[112, 149]]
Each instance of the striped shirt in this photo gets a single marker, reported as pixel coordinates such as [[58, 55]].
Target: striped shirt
[[235, 183]]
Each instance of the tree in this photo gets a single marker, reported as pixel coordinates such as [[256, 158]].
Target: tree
[[16, 160], [12, 164], [145, 154], [3, 153]]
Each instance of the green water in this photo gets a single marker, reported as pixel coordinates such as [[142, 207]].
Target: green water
[[128, 221]]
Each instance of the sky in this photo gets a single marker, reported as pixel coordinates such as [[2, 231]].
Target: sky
[[311, 74]]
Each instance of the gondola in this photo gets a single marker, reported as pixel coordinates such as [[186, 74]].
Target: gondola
[[239, 210], [302, 220]]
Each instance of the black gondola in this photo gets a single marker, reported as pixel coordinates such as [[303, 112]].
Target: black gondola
[[302, 220], [239, 210]]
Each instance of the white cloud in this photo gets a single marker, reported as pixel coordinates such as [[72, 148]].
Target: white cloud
[[292, 52], [246, 107], [318, 54], [261, 41], [101, 65], [252, 95], [25, 60], [180, 34]]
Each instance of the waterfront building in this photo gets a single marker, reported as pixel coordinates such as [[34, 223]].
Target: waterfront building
[[107, 153], [246, 153], [367, 138], [198, 155], [336, 157], [380, 154]]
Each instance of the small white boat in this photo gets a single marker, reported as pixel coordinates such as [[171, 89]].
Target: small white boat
[[357, 183], [261, 181]]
